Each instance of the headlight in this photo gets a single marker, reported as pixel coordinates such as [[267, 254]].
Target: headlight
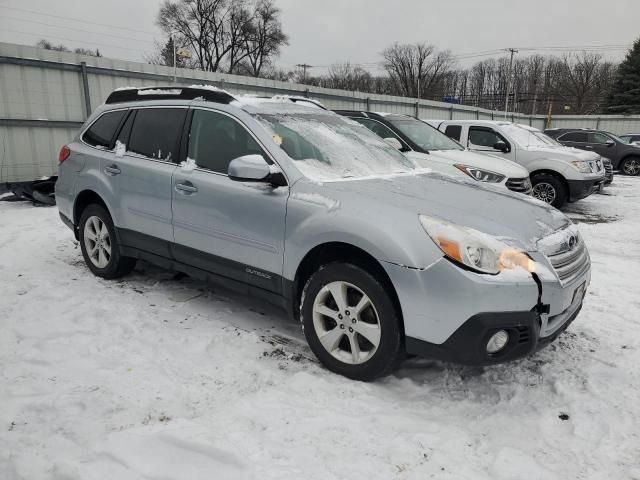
[[480, 175], [478, 251], [582, 167]]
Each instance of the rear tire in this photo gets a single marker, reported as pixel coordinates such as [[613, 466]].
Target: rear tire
[[99, 244], [630, 166], [351, 322], [550, 189]]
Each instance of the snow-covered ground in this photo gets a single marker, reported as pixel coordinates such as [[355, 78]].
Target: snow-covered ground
[[162, 377]]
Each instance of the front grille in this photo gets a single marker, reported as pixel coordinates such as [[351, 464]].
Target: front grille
[[571, 263], [608, 168], [520, 185]]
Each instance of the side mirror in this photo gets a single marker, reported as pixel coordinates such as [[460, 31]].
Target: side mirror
[[394, 142], [609, 143], [501, 146], [254, 168]]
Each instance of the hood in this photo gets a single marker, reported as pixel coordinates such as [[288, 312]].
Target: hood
[[514, 218], [565, 153], [486, 162]]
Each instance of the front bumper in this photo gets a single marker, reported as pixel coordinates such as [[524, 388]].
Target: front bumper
[[579, 189], [449, 313], [467, 345]]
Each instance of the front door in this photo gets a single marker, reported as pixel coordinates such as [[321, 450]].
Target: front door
[[486, 140], [603, 145], [231, 228]]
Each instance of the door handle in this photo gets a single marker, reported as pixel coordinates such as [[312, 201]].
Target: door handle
[[588, 146], [186, 188], [112, 170]]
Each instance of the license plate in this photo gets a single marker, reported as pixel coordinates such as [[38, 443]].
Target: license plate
[[578, 293]]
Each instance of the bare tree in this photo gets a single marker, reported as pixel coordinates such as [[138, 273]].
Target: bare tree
[[417, 69], [345, 76], [47, 45], [224, 34], [266, 40]]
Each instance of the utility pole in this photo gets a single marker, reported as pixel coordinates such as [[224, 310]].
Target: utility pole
[[506, 100], [175, 63], [304, 67]]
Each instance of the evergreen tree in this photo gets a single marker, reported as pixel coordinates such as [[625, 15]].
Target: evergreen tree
[[625, 92]]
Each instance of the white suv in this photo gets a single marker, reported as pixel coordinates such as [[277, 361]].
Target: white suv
[[559, 174]]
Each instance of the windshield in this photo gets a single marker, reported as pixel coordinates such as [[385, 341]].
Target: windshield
[[326, 147], [424, 135], [528, 138]]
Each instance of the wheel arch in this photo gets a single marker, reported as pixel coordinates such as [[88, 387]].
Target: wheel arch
[[553, 173], [83, 200], [330, 252]]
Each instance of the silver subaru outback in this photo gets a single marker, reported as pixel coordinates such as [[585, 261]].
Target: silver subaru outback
[[375, 257]]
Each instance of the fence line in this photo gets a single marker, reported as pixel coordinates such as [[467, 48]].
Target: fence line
[[46, 95]]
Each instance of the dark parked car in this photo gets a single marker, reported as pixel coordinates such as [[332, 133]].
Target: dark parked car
[[631, 138], [624, 157]]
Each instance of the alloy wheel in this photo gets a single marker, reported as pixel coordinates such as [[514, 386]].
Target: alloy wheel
[[631, 166], [545, 192], [346, 322], [97, 241]]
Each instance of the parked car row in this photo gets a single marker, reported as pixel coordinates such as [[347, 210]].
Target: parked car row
[[624, 155], [375, 255]]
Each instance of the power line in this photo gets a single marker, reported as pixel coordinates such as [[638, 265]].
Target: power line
[[75, 19], [80, 30], [108, 45]]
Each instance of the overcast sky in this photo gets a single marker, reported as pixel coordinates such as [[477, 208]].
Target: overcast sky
[[323, 32]]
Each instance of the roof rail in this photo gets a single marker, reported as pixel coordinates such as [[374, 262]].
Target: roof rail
[[299, 98], [206, 92]]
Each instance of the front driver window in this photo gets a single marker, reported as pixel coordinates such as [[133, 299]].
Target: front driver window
[[215, 139], [484, 138], [598, 138], [378, 128]]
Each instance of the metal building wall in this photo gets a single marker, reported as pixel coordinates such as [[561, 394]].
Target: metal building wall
[[45, 96]]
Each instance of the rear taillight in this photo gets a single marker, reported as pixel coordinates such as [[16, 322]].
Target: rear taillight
[[64, 154]]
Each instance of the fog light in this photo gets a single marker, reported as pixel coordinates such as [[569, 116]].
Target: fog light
[[497, 341]]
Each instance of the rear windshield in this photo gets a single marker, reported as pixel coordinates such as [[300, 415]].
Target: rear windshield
[[326, 147]]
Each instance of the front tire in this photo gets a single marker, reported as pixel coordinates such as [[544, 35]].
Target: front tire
[[350, 322], [99, 244], [550, 189], [630, 166]]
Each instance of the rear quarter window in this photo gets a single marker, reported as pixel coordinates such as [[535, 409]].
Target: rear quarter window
[[101, 132]]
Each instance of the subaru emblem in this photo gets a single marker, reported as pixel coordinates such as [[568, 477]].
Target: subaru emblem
[[573, 240]]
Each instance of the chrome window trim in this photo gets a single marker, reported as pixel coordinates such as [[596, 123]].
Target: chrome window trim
[[126, 109], [82, 132]]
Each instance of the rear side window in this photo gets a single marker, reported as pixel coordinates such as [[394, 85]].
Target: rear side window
[[453, 131], [101, 132], [156, 133], [578, 137], [216, 139]]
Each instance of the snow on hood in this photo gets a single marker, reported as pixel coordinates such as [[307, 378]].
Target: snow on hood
[[513, 218], [565, 153]]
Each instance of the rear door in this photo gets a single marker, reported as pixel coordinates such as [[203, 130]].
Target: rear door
[[577, 139], [231, 228], [140, 175]]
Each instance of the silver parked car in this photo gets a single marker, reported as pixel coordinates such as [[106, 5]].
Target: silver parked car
[[375, 256]]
